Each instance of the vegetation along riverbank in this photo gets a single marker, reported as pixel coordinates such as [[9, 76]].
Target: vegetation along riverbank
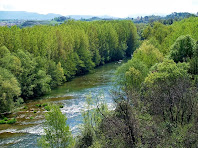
[[156, 91]]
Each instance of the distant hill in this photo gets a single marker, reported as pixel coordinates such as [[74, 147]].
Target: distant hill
[[78, 17], [22, 15], [179, 15], [168, 19], [81, 17]]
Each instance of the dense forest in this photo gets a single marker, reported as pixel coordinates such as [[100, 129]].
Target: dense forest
[[157, 97], [33, 60], [155, 93]]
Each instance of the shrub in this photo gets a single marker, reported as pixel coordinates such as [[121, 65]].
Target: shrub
[[47, 108], [38, 105], [44, 104], [11, 121], [2, 122]]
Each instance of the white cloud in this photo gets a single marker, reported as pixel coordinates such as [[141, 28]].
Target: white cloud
[[120, 8]]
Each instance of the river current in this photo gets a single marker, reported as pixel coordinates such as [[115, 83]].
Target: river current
[[72, 95]]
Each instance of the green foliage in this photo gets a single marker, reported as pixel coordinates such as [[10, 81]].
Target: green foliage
[[196, 50], [148, 54], [131, 74], [191, 136], [87, 135], [158, 31], [193, 62], [167, 70], [11, 121], [44, 104], [18, 102], [165, 35], [182, 49], [27, 77], [56, 130], [11, 63], [38, 105], [47, 108], [2, 122], [43, 57], [147, 32], [157, 105], [42, 83], [9, 90], [4, 51], [134, 77], [169, 92], [61, 106], [90, 133], [5, 119], [25, 107], [8, 121]]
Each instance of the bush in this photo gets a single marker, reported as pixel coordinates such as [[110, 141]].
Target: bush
[[2, 122], [11, 121], [57, 133], [38, 105], [61, 106], [25, 107], [5, 119], [44, 104], [47, 108]]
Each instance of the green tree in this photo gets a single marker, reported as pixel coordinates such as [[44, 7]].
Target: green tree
[[196, 50], [169, 92], [182, 49], [94, 44], [57, 133], [27, 77], [9, 90], [42, 57], [57, 74], [134, 78], [131, 74], [34, 81], [42, 83], [131, 39], [193, 62], [92, 118], [184, 27], [148, 54], [4, 51], [147, 32], [9, 61]]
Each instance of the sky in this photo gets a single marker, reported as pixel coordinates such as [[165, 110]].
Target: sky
[[116, 8]]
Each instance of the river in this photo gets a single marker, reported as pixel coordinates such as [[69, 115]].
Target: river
[[72, 95]]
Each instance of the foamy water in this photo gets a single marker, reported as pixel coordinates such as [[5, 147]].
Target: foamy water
[[98, 84]]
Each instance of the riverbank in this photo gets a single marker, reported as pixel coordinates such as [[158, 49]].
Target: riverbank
[[72, 95]]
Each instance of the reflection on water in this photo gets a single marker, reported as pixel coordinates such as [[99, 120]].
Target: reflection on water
[[72, 95]]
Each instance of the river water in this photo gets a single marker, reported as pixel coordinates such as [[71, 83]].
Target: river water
[[72, 95]]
